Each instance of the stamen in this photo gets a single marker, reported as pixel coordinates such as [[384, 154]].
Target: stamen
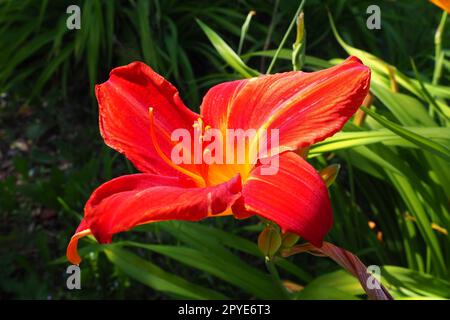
[[198, 124], [198, 127], [198, 179]]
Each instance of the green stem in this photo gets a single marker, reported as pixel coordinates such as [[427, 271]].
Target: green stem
[[269, 34], [270, 265], [288, 31]]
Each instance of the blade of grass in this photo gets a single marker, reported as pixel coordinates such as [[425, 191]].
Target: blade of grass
[[244, 31], [420, 141], [227, 53]]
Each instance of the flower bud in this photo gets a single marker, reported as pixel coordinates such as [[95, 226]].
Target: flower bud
[[289, 239], [269, 241], [298, 48], [330, 173]]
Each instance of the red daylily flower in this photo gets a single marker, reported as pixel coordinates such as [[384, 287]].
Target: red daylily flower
[[139, 110]]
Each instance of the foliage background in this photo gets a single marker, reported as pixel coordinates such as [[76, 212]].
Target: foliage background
[[394, 173]]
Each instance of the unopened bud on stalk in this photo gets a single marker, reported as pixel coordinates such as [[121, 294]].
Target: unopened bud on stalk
[[298, 48], [330, 173], [289, 239], [300, 27], [269, 241]]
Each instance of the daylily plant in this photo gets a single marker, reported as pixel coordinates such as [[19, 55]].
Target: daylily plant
[[139, 112]]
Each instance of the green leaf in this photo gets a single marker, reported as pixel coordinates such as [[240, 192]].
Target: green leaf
[[345, 140], [197, 234], [408, 110], [338, 285], [415, 138], [219, 263], [382, 69], [155, 277], [244, 30], [402, 283], [145, 34], [405, 283], [227, 53]]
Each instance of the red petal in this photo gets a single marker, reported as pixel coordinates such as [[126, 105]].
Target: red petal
[[295, 198], [131, 200], [124, 102], [305, 107]]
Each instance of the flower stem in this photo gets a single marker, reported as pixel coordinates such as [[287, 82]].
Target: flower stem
[[270, 265]]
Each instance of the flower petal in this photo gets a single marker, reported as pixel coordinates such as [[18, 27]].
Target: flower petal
[[295, 198], [124, 102], [131, 200], [348, 261], [443, 4], [305, 107]]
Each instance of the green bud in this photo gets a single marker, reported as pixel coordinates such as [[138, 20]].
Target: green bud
[[289, 239], [299, 46], [330, 173], [269, 241]]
